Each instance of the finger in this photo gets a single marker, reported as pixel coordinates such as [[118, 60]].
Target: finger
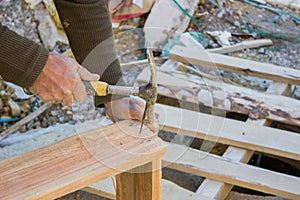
[[44, 96], [138, 101], [136, 111], [68, 100], [109, 114], [154, 127], [137, 108], [86, 75], [57, 95], [79, 91]]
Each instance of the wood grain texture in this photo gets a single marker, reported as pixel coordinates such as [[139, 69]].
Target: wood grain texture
[[78, 161], [141, 183], [225, 170], [230, 132], [236, 65]]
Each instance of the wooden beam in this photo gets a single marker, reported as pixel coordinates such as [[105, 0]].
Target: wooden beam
[[228, 131], [217, 94], [225, 170], [141, 183], [236, 65], [220, 190], [78, 161]]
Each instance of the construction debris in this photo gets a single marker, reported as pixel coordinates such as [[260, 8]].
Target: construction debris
[[222, 37], [167, 21]]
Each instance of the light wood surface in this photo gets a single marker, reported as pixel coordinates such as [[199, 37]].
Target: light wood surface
[[225, 170], [78, 161], [169, 189], [141, 183], [236, 65], [241, 46], [228, 131], [220, 190]]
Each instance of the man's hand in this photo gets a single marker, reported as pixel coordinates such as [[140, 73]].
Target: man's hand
[[61, 81], [128, 108]]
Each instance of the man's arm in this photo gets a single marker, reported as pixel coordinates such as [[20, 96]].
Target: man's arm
[[21, 60], [54, 78], [88, 26]]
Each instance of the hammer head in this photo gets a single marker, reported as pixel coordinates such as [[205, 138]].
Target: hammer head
[[149, 94]]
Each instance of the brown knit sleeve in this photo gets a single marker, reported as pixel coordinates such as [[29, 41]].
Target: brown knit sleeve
[[21, 60], [88, 26]]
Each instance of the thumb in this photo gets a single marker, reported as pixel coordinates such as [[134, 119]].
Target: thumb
[[86, 75]]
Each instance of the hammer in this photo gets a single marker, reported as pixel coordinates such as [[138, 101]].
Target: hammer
[[147, 92]]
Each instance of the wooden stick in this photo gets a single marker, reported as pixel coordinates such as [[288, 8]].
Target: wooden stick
[[241, 46], [25, 120]]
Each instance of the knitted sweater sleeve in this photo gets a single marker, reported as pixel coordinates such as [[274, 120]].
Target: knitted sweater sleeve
[[21, 60], [87, 24]]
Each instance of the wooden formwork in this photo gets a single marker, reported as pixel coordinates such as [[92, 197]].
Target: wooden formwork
[[201, 101]]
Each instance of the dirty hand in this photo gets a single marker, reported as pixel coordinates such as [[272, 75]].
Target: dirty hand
[[128, 108], [61, 80]]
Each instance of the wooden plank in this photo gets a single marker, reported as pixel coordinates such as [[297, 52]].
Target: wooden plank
[[241, 46], [170, 190], [217, 94], [228, 131], [141, 183], [220, 190], [236, 65], [78, 161], [221, 169], [189, 42]]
